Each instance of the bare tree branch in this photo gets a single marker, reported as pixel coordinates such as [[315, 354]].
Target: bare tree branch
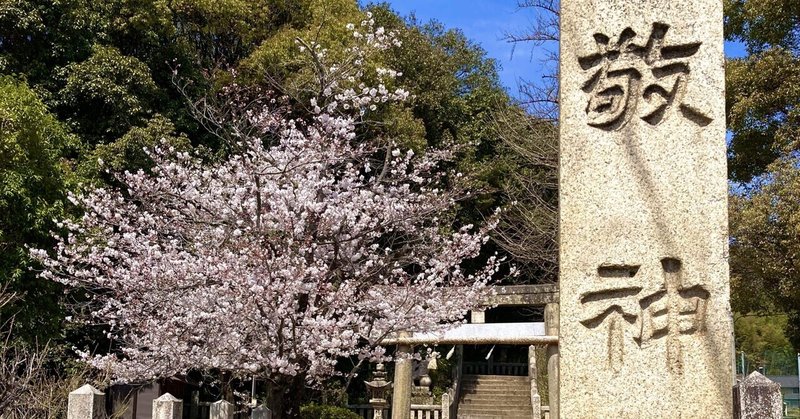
[[529, 225], [540, 97]]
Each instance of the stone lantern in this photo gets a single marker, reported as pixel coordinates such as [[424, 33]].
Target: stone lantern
[[421, 394], [378, 388]]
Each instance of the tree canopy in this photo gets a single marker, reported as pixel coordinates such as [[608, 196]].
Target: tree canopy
[[763, 88], [763, 102], [36, 175], [117, 77]]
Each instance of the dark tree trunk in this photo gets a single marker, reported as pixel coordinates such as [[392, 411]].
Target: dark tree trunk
[[285, 396]]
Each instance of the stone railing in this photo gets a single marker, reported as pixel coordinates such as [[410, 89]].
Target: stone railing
[[367, 411], [418, 411], [88, 402], [424, 411]]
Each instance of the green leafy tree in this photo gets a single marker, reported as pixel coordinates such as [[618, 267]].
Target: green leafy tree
[[763, 89], [106, 95], [763, 99], [35, 175], [765, 244], [763, 94], [763, 341]]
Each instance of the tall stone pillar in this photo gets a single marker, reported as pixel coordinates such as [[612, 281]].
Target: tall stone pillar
[[646, 327], [403, 381]]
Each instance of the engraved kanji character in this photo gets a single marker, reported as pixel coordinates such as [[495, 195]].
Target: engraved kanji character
[[623, 73], [670, 312]]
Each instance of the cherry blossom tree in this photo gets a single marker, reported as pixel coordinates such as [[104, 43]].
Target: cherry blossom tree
[[305, 244]]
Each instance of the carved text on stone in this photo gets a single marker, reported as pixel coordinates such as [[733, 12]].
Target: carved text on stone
[[627, 79], [671, 312]]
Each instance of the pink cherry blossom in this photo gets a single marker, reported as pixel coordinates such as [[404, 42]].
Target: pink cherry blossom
[[302, 246]]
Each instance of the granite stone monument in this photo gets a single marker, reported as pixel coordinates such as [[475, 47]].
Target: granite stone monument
[[645, 321]]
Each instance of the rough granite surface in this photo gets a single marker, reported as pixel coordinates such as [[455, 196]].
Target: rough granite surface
[[86, 402], [167, 407], [222, 409], [261, 412], [758, 398], [646, 328]]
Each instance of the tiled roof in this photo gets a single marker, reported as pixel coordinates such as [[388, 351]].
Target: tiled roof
[[786, 381]]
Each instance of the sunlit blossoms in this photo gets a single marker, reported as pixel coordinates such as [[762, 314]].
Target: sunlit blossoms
[[280, 258]]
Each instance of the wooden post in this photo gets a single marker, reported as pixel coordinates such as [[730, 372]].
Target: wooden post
[[551, 324]]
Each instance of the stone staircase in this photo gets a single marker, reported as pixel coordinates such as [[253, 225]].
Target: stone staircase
[[495, 397]]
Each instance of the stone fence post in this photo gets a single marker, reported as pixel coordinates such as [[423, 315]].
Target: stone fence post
[[533, 375], [222, 409], [167, 407], [446, 406], [261, 412], [86, 402], [552, 323], [757, 397]]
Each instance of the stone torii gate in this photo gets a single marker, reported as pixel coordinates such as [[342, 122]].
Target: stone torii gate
[[480, 333]]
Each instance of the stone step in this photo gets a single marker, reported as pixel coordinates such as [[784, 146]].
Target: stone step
[[503, 403], [484, 398], [497, 386], [495, 397], [492, 417], [496, 412], [496, 404], [477, 416], [497, 394], [499, 390], [486, 410], [494, 378]]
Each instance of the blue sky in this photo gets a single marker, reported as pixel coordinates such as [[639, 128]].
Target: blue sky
[[485, 22]]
